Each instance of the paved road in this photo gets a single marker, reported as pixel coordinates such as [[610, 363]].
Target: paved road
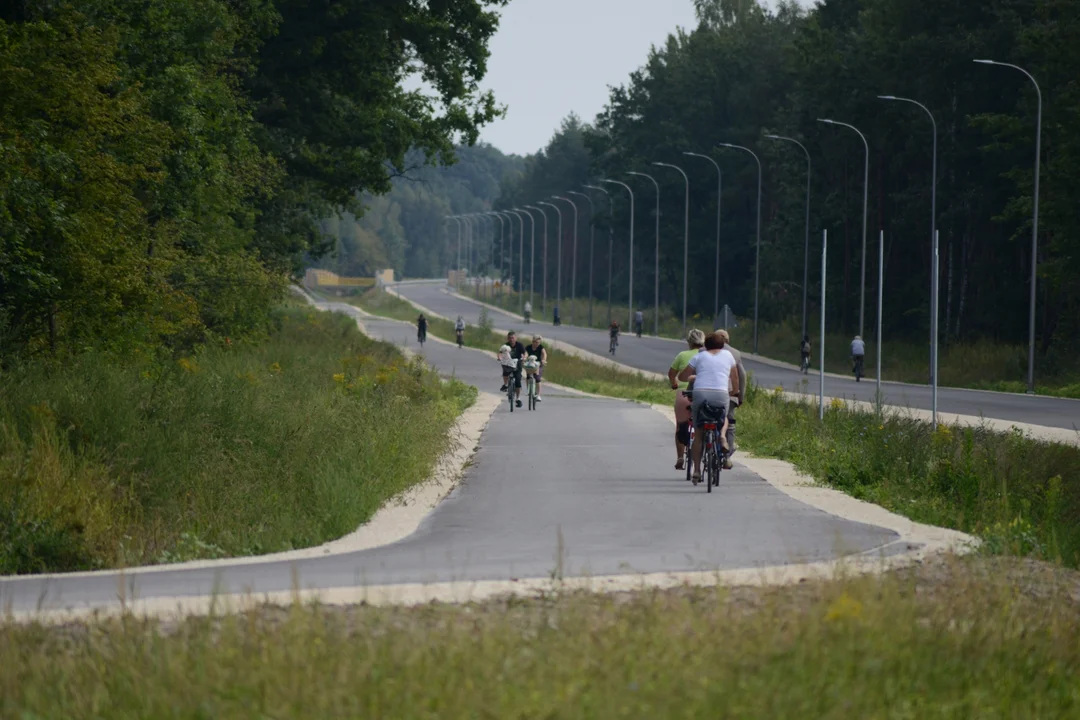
[[655, 354], [597, 471]]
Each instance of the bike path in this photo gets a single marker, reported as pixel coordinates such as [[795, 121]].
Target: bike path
[[582, 486], [655, 354]]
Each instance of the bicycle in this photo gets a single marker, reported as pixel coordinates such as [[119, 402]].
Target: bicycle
[[805, 364], [688, 448], [614, 344], [460, 338], [528, 317], [858, 368], [421, 336], [512, 385], [531, 389], [712, 454]]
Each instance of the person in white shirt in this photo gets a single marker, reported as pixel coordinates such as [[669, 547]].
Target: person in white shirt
[[858, 354], [716, 377], [528, 310]]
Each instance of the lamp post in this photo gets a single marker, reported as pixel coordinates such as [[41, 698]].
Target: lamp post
[[558, 255], [521, 259], [630, 301], [573, 260], [686, 236], [457, 220], [933, 256], [656, 267], [866, 188], [509, 247], [719, 193], [611, 242], [1034, 222], [502, 240], [592, 238], [544, 252], [532, 253], [806, 242], [532, 249], [757, 246]]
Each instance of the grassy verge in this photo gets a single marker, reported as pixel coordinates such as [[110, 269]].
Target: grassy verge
[[240, 450], [563, 368], [951, 639], [1022, 496]]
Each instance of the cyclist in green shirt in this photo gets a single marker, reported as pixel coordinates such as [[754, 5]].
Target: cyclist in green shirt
[[696, 340]]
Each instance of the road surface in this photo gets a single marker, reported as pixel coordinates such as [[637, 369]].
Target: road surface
[[655, 355], [592, 476]]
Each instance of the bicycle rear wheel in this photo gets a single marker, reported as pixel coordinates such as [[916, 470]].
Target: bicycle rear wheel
[[532, 393], [510, 392], [688, 455], [707, 461]]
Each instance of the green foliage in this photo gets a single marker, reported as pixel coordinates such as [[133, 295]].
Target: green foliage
[[239, 449], [164, 165]]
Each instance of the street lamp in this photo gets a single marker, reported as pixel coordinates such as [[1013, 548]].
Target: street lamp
[[630, 302], [686, 236], [933, 257], [521, 258], [532, 251], [592, 237], [558, 256], [719, 192], [757, 246], [656, 268], [1034, 223], [866, 187], [502, 241], [611, 241], [573, 261], [806, 245], [509, 247]]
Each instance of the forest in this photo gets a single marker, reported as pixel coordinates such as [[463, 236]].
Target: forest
[[167, 166], [747, 72]]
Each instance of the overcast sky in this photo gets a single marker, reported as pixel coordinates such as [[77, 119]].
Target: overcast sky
[[553, 57]]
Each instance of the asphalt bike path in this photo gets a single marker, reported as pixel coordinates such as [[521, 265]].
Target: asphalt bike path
[[581, 487], [653, 354]]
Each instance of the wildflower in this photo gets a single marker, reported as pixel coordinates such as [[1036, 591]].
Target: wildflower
[[339, 377], [844, 607], [187, 365], [836, 404], [276, 368]]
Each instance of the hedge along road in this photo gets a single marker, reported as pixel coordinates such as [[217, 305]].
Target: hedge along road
[[582, 486], [654, 354]]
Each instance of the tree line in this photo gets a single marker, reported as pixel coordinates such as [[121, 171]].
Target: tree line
[[166, 166], [747, 71]]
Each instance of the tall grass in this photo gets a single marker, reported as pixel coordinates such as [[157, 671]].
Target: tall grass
[[969, 640], [240, 450], [1022, 496]]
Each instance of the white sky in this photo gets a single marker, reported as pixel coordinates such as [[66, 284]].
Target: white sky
[[553, 57]]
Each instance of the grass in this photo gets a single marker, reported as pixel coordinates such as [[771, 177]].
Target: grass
[[959, 639], [239, 450], [1020, 495]]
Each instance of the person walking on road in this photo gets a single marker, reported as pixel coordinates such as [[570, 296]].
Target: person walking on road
[[459, 330], [696, 341], [556, 320], [804, 354]]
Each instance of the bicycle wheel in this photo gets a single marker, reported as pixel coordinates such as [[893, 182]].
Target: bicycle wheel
[[510, 392], [688, 455], [707, 461], [532, 393]]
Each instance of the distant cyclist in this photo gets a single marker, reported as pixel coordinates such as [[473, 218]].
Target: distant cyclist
[[459, 329], [804, 351], [528, 311], [639, 320], [537, 349], [613, 333], [421, 329], [858, 354], [556, 318], [696, 340]]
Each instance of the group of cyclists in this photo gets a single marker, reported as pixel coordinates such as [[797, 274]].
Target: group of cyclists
[[858, 356], [515, 356], [422, 324]]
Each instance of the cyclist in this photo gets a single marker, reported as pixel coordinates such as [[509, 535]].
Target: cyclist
[[714, 383], [556, 320], [736, 397], [421, 329], [537, 349], [613, 333], [804, 350], [858, 352], [459, 328], [517, 353], [696, 340], [639, 320], [528, 311]]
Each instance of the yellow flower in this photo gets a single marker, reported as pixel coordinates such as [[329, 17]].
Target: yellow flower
[[187, 365], [276, 369], [339, 377], [836, 404], [844, 607]]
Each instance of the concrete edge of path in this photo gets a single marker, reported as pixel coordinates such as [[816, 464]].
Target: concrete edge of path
[[1039, 432], [398, 518], [921, 539]]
